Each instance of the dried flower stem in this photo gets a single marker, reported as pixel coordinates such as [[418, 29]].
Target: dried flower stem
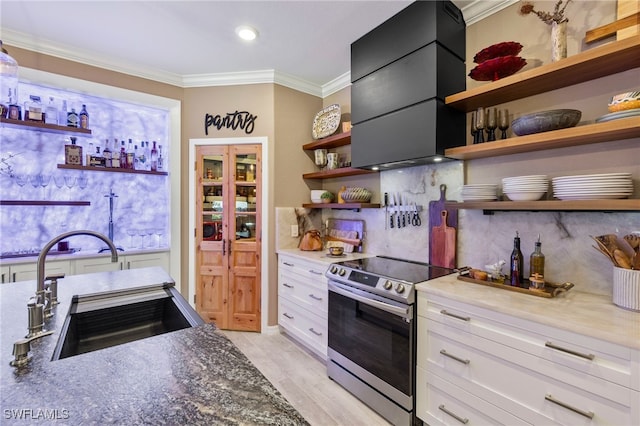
[[546, 17]]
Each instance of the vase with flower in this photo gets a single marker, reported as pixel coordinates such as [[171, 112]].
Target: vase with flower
[[558, 23]]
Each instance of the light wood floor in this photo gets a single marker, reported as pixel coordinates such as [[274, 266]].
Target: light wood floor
[[302, 378]]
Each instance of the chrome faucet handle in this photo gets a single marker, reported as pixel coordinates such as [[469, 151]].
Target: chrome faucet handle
[[48, 303], [36, 318], [53, 286], [21, 350]]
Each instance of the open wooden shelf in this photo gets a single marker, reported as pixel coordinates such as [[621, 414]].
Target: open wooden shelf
[[336, 173], [343, 206], [43, 203], [37, 125], [109, 169], [594, 63], [333, 141], [550, 205], [624, 128]]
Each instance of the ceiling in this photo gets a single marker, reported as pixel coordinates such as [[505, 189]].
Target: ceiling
[[301, 44]]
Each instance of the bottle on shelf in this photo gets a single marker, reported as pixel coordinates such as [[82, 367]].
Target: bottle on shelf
[[107, 154], [160, 159], [115, 155], [131, 156], [83, 118], [51, 112], [33, 109], [62, 114], [9, 92], [90, 153], [123, 156], [72, 118], [154, 158], [516, 265], [137, 164], [96, 159], [142, 160], [73, 153], [536, 264]]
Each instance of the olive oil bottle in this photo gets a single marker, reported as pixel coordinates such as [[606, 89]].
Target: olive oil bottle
[[516, 265]]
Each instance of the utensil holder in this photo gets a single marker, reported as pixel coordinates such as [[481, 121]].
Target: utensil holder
[[626, 288]]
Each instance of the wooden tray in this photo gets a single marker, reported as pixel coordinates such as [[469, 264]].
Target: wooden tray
[[550, 290]]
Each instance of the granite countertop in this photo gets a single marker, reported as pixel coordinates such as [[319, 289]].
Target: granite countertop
[[322, 256], [192, 376], [584, 313], [79, 254]]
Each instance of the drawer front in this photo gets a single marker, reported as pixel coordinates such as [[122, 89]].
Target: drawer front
[[308, 328], [303, 292], [313, 271], [538, 386], [583, 354], [439, 402]]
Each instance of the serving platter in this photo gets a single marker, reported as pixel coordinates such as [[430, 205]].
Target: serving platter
[[550, 290], [326, 122]]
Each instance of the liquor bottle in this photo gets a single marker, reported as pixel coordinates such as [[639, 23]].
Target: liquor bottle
[[154, 158], [123, 156], [115, 155], [160, 159], [147, 154], [73, 153], [51, 112], [84, 117], [141, 159], [33, 109], [131, 156], [72, 118], [536, 261], [62, 114], [90, 153], [515, 270], [106, 153], [137, 165]]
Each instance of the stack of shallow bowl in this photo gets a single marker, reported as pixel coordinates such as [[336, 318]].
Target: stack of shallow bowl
[[593, 187], [525, 188], [480, 192]]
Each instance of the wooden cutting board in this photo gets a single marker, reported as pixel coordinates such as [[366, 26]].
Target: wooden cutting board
[[435, 219], [443, 244], [347, 235]]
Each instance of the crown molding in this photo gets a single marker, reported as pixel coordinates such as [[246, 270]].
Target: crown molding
[[473, 12]]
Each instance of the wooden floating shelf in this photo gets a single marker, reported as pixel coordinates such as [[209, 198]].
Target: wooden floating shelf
[[612, 58], [336, 173], [625, 128], [334, 141], [550, 205], [344, 206], [109, 169], [37, 125], [43, 203]]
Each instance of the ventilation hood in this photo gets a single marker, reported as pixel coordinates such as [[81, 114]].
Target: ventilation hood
[[401, 73]]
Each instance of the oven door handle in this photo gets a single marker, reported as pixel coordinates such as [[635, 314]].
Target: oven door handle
[[404, 312]]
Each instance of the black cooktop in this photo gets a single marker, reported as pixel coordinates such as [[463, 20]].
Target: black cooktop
[[397, 269]]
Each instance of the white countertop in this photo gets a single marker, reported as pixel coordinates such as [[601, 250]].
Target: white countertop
[[322, 256], [584, 313], [80, 254]]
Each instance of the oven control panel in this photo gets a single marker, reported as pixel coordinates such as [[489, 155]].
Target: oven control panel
[[370, 282]]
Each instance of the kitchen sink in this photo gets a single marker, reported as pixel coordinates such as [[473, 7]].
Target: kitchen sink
[[108, 319]]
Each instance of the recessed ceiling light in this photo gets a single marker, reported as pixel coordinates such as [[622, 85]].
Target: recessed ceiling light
[[246, 32]]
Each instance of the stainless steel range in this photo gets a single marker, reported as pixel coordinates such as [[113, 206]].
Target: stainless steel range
[[372, 331]]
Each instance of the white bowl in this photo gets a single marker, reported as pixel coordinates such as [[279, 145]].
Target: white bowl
[[525, 196]]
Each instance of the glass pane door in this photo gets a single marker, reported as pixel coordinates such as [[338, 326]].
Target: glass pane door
[[213, 193], [245, 196]]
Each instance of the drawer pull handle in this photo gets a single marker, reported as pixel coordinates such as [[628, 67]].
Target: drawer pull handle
[[569, 351], [444, 312], [288, 316], [447, 354], [314, 297], [587, 414], [462, 420], [315, 272], [288, 264], [315, 332], [287, 285]]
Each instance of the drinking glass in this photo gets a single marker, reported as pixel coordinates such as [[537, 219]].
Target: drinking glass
[[503, 122], [142, 233], [320, 157], [480, 124], [35, 181], [82, 182], [159, 232], [131, 233], [491, 124], [22, 180], [44, 182], [70, 181]]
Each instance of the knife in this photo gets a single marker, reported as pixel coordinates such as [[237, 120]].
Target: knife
[[386, 210], [393, 202], [399, 203]]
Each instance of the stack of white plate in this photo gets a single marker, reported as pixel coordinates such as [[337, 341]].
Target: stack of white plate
[[525, 188], [593, 187], [480, 192]]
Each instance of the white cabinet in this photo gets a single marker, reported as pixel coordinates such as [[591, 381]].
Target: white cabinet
[[486, 366], [302, 302], [130, 261], [29, 271]]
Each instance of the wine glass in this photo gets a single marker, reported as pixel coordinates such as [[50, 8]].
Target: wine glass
[[44, 182], [491, 124], [150, 232], [58, 180], [159, 232], [142, 233], [82, 182], [480, 124], [131, 233], [35, 180], [474, 129], [503, 122], [21, 180], [70, 181]]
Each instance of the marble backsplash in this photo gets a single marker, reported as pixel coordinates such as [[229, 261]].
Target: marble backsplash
[[142, 202], [481, 239]]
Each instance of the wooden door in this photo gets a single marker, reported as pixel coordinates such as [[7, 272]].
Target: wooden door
[[228, 185]]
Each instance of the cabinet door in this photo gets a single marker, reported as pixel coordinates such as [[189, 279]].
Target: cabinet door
[[98, 264], [29, 271], [147, 260], [5, 274]]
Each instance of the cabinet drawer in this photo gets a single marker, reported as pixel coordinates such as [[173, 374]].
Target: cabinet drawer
[[308, 328], [307, 269], [438, 402], [301, 291], [528, 381], [585, 355]]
